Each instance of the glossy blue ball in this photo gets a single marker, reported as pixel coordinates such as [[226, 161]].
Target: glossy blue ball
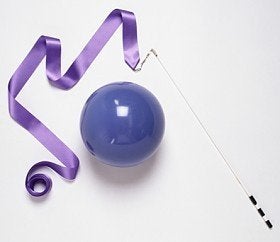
[[122, 124]]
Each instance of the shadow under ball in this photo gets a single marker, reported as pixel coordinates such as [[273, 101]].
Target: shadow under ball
[[122, 124]]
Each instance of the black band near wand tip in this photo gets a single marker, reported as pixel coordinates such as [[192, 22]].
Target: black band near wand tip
[[261, 212], [253, 200], [269, 224]]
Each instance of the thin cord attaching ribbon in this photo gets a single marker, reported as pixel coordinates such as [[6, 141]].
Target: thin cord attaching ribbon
[[51, 49]]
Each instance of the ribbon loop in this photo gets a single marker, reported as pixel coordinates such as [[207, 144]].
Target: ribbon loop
[[51, 49], [38, 179]]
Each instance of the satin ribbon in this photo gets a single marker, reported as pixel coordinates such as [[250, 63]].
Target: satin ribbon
[[51, 49]]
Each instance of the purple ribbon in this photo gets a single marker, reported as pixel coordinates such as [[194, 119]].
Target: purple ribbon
[[51, 48]]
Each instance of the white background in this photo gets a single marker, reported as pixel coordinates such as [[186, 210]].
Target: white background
[[224, 55]]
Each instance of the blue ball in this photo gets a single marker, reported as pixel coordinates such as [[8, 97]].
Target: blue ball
[[122, 124]]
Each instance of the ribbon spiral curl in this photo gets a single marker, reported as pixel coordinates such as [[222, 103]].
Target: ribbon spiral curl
[[51, 49]]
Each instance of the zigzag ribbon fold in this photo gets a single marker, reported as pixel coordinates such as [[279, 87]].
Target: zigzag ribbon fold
[[51, 49]]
